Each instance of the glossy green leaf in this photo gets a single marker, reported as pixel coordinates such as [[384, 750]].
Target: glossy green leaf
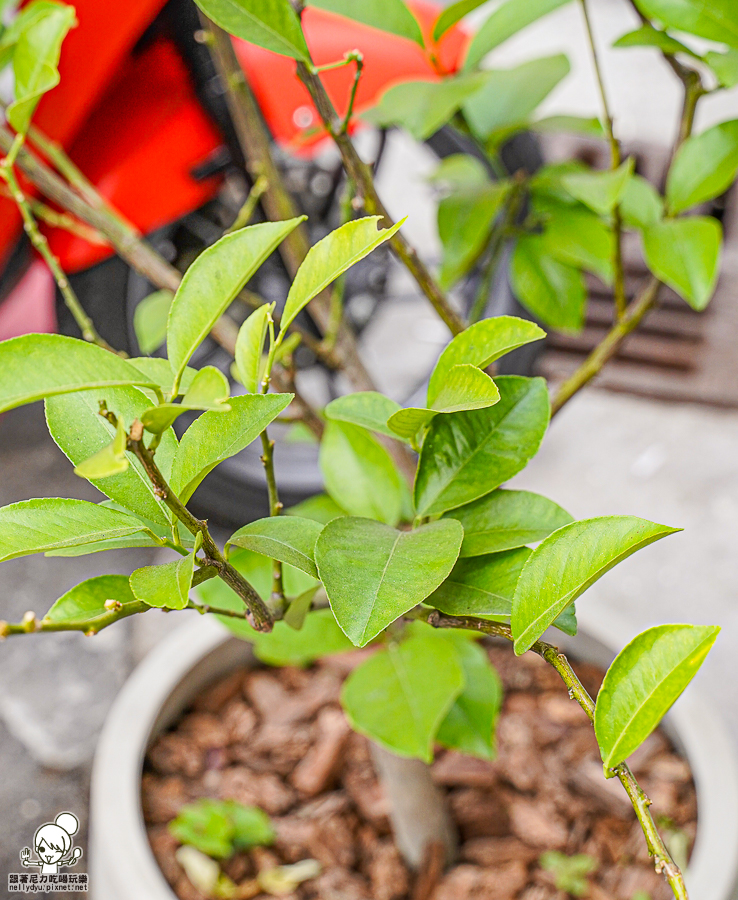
[[359, 473], [209, 389], [577, 237], [705, 166], [648, 36], [569, 561], [167, 585], [330, 258], [481, 344], [553, 291], [503, 520], [725, 67], [290, 539], [87, 600], [272, 24], [453, 14], [368, 409], [35, 366], [80, 432], [150, 320], [469, 454], [465, 222], [507, 20], [386, 15], [250, 346], [158, 370], [35, 60], [399, 696], [212, 281], [34, 526], [320, 508], [469, 726], [422, 107], [509, 96], [373, 574], [111, 460], [215, 436], [641, 204], [716, 20], [685, 254], [643, 682], [587, 126], [600, 191]]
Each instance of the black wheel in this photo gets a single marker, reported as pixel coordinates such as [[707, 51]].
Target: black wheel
[[381, 302]]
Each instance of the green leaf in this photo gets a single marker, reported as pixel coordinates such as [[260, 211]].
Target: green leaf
[[35, 366], [569, 561], [359, 473], [503, 520], [159, 372], [469, 725], [400, 695], [289, 539], [553, 291], [422, 107], [87, 600], [509, 96], [465, 221], [111, 460], [481, 344], [219, 827], [35, 61], [150, 320], [368, 409], [330, 258], [600, 191], [80, 432], [705, 166], [578, 237], [299, 607], [685, 254], [272, 24], [250, 346], [320, 508], [641, 204], [374, 574], [716, 20], [589, 127], [386, 15], [212, 281], [167, 585], [505, 21], [34, 526], [215, 436], [453, 14], [643, 682], [252, 827], [209, 389], [725, 67], [648, 36], [469, 454], [460, 172]]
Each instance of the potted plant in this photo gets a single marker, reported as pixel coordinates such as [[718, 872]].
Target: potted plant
[[416, 539]]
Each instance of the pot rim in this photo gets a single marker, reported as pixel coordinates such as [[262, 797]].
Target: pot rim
[[122, 865]]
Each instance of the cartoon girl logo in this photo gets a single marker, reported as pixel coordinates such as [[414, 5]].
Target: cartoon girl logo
[[53, 843]]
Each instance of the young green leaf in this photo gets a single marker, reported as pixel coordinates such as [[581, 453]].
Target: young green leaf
[[374, 574], [330, 258], [216, 436], [111, 460], [453, 14], [150, 320], [705, 166], [509, 96], [34, 526], [386, 15], [685, 254], [570, 871], [600, 191], [399, 696], [503, 520], [212, 281], [320, 508], [209, 389], [368, 409], [552, 290], [219, 827], [505, 21], [289, 539], [725, 67], [35, 61], [167, 585], [716, 20], [35, 366], [569, 561], [158, 370], [468, 454], [577, 237], [481, 344], [643, 682], [641, 204], [272, 24], [250, 346], [648, 36], [299, 607], [87, 601], [359, 473], [584, 125]]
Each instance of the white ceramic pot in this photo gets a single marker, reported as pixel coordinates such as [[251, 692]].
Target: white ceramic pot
[[123, 866]]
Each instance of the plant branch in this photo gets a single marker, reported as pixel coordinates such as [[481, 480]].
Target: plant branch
[[117, 611], [663, 861], [252, 201]]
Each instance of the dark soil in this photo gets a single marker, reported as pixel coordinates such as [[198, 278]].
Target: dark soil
[[277, 738]]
